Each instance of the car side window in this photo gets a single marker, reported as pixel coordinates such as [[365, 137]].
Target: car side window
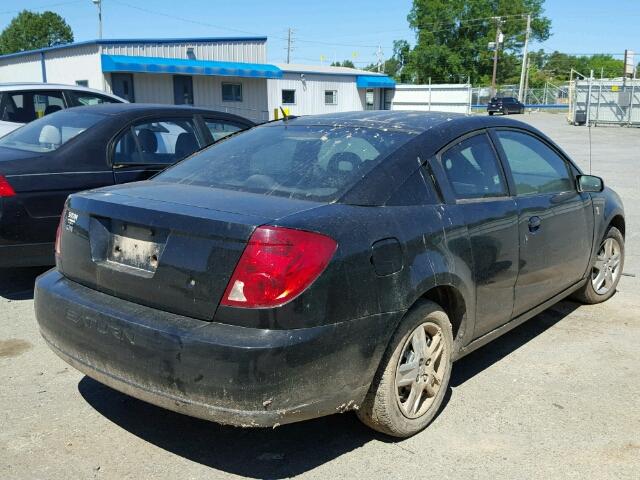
[[26, 106], [473, 170], [156, 142], [86, 98], [535, 167], [220, 128]]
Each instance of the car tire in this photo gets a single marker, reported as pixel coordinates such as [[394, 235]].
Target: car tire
[[613, 261], [383, 408], [490, 113], [505, 111]]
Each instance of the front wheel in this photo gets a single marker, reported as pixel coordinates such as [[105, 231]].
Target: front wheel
[[413, 376], [606, 270]]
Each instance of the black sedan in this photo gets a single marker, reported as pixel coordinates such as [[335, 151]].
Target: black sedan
[[326, 263], [505, 105], [88, 147]]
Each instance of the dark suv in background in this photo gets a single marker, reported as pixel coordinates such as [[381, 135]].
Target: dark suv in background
[[505, 105]]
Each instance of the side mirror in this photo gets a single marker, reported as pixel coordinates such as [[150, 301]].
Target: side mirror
[[590, 183]]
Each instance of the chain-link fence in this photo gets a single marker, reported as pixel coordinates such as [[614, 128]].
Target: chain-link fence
[[604, 101], [549, 97]]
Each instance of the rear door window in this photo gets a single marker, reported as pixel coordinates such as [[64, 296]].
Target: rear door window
[[158, 142], [473, 170], [27, 106], [535, 167], [88, 98], [221, 128]]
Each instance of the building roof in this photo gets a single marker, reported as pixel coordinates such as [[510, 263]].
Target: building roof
[[327, 70], [122, 41]]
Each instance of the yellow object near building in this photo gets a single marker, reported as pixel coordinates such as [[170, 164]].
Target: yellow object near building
[[277, 112]]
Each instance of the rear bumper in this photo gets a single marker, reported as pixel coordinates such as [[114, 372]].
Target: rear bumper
[[228, 374]]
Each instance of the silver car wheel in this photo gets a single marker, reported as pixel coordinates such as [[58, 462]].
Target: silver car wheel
[[606, 269], [421, 369]]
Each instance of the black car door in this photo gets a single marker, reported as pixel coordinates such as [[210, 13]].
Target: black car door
[[474, 186], [555, 220], [148, 146]]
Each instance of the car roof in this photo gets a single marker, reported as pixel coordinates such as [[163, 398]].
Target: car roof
[[415, 121], [407, 120], [15, 86], [141, 109]]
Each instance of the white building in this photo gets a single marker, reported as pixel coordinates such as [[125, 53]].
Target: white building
[[227, 74]]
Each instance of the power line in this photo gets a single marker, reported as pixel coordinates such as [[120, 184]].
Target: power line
[[39, 7], [183, 19]]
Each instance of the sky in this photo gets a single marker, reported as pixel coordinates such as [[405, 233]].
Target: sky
[[324, 30]]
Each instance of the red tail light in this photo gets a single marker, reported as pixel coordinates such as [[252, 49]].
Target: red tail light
[[277, 265], [6, 190]]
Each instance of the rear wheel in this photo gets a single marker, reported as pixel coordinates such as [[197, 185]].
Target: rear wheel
[[505, 111], [413, 376], [606, 270]]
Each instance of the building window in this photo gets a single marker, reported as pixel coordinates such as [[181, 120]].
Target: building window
[[369, 96], [231, 92], [82, 83], [330, 97], [288, 97]]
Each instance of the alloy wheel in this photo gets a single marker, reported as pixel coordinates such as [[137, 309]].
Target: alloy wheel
[[421, 369], [606, 269]]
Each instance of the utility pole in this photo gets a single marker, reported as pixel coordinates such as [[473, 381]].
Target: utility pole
[[525, 53], [289, 46], [495, 55], [526, 81], [98, 3], [379, 59]]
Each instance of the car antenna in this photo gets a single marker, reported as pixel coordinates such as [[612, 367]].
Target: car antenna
[[285, 115], [589, 126]]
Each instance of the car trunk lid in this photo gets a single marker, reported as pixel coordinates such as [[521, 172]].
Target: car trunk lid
[[167, 246]]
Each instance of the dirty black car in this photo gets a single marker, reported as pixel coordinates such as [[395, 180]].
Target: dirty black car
[[327, 263]]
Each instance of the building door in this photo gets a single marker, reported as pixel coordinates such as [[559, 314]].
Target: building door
[[122, 86], [183, 90]]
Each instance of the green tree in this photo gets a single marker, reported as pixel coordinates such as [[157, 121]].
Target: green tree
[[29, 31], [345, 63], [452, 38]]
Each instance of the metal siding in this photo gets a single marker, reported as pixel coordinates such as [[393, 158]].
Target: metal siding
[[310, 93], [207, 92], [232, 51], [153, 88], [68, 65], [436, 97], [21, 69]]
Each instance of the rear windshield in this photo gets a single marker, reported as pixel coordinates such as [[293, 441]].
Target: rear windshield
[[51, 132], [307, 162]]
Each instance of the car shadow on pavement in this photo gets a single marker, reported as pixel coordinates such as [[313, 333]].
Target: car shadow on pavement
[[288, 450], [282, 452], [474, 363], [18, 283]]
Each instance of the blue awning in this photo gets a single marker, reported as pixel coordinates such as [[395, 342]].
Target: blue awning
[[375, 81], [123, 63]]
